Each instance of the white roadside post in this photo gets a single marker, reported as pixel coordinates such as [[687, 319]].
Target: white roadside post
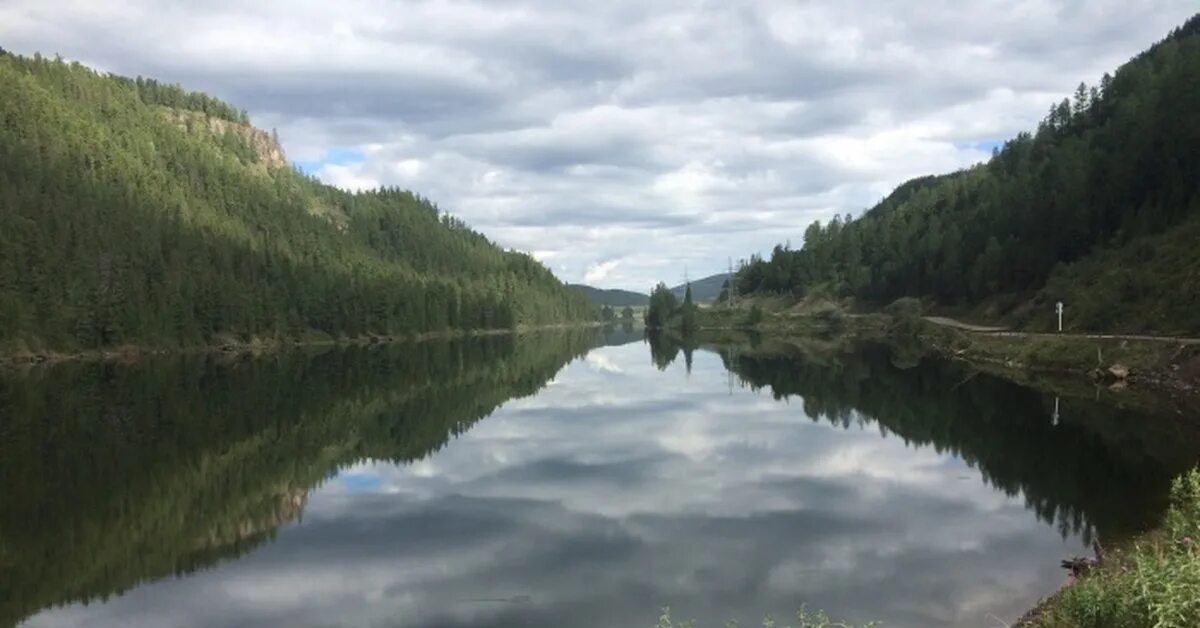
[[1059, 308]]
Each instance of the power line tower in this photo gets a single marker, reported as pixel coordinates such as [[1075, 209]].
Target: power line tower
[[732, 285]]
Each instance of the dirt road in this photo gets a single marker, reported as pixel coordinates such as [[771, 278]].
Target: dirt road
[[1003, 331]]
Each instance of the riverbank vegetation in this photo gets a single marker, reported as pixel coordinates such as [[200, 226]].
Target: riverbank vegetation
[[667, 312], [1108, 361], [804, 619], [1153, 580], [136, 213], [1118, 362]]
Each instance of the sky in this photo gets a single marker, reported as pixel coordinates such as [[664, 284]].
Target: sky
[[621, 142]]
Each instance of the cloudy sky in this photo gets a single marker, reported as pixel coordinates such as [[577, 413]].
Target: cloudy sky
[[619, 141]]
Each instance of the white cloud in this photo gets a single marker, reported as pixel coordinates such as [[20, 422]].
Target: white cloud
[[597, 272], [651, 136]]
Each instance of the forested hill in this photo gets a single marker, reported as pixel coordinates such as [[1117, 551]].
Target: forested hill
[[134, 212], [1099, 208]]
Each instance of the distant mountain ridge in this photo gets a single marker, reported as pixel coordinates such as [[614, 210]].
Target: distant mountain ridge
[[612, 297], [704, 290]]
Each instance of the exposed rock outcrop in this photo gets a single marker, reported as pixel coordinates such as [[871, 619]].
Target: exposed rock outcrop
[[266, 148]]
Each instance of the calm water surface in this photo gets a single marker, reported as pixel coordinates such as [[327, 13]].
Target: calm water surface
[[556, 480]]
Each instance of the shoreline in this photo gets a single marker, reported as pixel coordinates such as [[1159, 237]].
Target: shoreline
[[1150, 364], [260, 346], [1113, 362]]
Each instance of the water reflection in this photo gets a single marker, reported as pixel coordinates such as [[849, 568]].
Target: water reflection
[[1086, 473], [118, 474], [872, 490]]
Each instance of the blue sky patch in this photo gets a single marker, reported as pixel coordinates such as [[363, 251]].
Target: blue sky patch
[[983, 145], [339, 156], [361, 481]]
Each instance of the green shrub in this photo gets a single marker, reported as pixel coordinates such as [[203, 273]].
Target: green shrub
[[756, 315], [1157, 584], [1167, 574], [1104, 600], [905, 307], [906, 316], [830, 317]]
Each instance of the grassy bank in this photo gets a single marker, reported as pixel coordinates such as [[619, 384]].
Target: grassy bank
[[1153, 580], [1108, 361], [816, 317], [803, 619], [1142, 364]]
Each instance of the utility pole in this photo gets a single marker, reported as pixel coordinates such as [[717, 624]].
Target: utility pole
[[729, 375], [732, 285]]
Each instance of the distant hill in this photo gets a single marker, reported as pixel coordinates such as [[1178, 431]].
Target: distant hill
[[613, 297], [703, 290], [133, 212]]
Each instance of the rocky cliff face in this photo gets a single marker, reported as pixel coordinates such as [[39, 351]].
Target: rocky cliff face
[[264, 519], [267, 154], [264, 145]]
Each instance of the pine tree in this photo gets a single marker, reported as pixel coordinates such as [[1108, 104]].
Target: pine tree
[[688, 323]]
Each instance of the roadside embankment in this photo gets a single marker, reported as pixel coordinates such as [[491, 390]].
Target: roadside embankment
[[1112, 361], [1118, 361]]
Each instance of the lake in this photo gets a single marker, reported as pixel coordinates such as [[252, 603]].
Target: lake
[[560, 479]]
